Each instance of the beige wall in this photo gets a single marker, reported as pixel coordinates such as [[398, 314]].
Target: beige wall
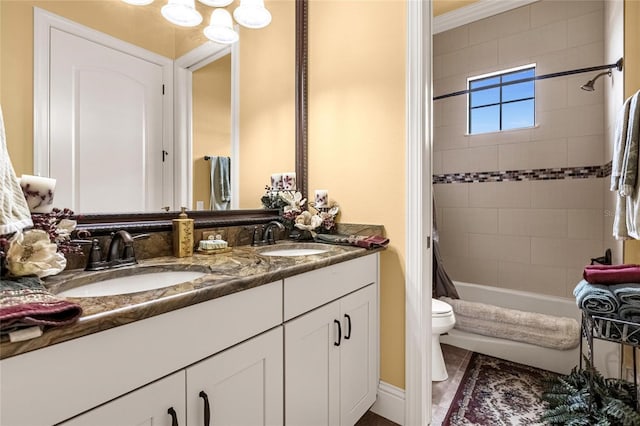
[[529, 235], [211, 122], [356, 137], [444, 6]]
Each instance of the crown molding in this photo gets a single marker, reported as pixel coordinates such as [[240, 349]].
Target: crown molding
[[474, 12]]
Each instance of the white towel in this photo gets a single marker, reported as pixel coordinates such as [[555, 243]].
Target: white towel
[[14, 212], [220, 183], [625, 165]]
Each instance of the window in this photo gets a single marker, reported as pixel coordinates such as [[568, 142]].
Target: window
[[502, 105]]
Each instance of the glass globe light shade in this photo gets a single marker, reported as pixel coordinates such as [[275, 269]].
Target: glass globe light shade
[[216, 3], [220, 28], [252, 14], [181, 12], [138, 2]]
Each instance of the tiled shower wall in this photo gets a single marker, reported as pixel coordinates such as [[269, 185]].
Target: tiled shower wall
[[533, 234]]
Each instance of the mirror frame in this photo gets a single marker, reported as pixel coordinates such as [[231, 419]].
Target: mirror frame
[[102, 224]]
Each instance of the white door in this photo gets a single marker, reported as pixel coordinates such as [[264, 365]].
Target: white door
[[160, 403], [358, 354], [242, 386], [106, 128], [312, 370]]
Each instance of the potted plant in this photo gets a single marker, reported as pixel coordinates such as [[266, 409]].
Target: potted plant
[[585, 397]]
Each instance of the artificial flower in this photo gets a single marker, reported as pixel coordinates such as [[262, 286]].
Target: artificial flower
[[294, 200], [307, 222], [33, 253]]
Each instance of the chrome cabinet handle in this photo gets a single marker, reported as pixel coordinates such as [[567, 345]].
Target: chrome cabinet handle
[[207, 408]]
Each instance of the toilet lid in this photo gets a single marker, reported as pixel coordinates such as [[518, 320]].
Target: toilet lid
[[438, 307]]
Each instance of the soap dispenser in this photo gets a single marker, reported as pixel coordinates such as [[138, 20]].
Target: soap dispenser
[[183, 235]]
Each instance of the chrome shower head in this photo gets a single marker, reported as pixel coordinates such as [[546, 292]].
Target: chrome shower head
[[588, 86]]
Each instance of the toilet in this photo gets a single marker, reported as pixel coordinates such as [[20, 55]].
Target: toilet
[[442, 320]]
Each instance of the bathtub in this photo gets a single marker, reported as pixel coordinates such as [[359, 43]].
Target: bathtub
[[561, 361]]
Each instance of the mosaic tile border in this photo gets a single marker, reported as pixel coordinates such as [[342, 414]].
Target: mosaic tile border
[[581, 172]]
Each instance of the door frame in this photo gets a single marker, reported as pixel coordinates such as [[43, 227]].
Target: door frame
[[184, 67], [43, 22]]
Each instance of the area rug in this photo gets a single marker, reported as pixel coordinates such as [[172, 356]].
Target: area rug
[[497, 392]]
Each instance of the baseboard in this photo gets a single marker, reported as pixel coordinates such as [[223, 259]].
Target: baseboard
[[390, 403]]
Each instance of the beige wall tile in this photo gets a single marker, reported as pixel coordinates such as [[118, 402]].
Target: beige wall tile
[[481, 220], [450, 41], [585, 29], [484, 246], [482, 56], [546, 12], [449, 137], [585, 151], [513, 222], [455, 160], [475, 271], [513, 194], [586, 120], [579, 97], [548, 194], [580, 252], [513, 156], [514, 249], [451, 195], [547, 153], [574, 275], [483, 159], [450, 63], [452, 220], [511, 22], [585, 193], [551, 94], [483, 194], [538, 41], [547, 223], [437, 162], [586, 224], [551, 124], [533, 278], [549, 251], [582, 7], [454, 111], [454, 244]]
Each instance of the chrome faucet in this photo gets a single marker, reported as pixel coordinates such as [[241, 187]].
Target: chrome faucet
[[263, 235], [116, 257]]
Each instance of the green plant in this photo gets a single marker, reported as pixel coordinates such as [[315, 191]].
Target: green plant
[[585, 397]]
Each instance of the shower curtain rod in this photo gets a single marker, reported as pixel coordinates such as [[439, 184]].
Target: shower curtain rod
[[617, 65]]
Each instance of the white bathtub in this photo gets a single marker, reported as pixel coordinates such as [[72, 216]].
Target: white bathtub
[[606, 354]]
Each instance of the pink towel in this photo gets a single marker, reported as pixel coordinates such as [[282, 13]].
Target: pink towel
[[612, 274]]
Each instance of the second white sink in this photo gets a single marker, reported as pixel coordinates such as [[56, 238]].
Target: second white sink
[[132, 283]]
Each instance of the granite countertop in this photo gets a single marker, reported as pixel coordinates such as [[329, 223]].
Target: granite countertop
[[241, 268]]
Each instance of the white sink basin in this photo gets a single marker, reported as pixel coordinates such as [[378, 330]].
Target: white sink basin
[[292, 251], [132, 283]]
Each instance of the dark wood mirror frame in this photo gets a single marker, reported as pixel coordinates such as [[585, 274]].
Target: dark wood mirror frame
[[101, 224]]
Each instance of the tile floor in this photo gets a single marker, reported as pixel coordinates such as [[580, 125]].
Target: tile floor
[[456, 360]]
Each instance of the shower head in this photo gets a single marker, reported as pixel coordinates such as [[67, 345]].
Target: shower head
[[588, 86]]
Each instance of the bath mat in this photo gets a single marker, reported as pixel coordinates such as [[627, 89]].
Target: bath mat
[[496, 392]]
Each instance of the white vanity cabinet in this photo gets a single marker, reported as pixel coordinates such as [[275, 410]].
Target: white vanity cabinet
[[241, 386], [160, 404], [331, 352]]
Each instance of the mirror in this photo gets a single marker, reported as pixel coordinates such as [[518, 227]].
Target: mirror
[[271, 127]]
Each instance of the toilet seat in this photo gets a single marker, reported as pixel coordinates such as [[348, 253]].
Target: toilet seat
[[440, 308]]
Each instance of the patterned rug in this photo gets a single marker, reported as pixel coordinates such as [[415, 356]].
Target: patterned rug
[[497, 392]]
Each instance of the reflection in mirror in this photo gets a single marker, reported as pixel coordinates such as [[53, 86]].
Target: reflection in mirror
[[266, 119]]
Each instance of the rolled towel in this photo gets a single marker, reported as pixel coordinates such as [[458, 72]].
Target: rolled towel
[[529, 327], [596, 299], [627, 293], [630, 313], [611, 274], [25, 302]]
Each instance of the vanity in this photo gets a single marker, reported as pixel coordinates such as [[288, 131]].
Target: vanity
[[259, 339]]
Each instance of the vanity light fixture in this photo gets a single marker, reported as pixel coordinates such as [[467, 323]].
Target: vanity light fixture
[[181, 12], [220, 28], [252, 14], [216, 3], [138, 2]]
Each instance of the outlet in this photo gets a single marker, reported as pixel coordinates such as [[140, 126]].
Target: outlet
[[199, 205]]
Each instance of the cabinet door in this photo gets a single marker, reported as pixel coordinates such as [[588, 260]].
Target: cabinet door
[[312, 372], [147, 406], [242, 385], [358, 354]]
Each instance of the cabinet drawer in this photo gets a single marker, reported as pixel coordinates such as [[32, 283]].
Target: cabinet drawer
[[307, 291]]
